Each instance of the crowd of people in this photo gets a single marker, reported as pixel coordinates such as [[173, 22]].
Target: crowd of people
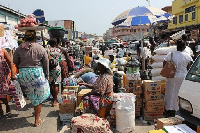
[[41, 71]]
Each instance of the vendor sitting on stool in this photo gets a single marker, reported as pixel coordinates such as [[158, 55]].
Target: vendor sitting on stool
[[101, 95]]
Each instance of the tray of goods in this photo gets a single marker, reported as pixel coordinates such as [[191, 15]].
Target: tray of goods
[[29, 23]]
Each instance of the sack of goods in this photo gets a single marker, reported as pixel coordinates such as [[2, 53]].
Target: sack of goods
[[125, 109], [89, 123], [157, 66]]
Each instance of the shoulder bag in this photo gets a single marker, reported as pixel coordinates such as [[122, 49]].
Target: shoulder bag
[[169, 69]]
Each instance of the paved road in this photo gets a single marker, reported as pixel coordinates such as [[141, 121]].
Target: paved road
[[22, 121]]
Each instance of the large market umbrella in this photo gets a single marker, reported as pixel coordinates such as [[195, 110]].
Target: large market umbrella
[[138, 11], [141, 20]]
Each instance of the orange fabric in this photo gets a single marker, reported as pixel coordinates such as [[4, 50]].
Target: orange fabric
[[102, 112]]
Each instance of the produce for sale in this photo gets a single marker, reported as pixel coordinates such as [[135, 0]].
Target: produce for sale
[[29, 21]]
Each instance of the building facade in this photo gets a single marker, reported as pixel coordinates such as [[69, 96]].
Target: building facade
[[10, 16], [132, 32], [186, 13], [108, 35]]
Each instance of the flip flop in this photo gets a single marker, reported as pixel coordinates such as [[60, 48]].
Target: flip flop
[[40, 122]]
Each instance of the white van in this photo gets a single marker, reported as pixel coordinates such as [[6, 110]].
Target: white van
[[189, 95]]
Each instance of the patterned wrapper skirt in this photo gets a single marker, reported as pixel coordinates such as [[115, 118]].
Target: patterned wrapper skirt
[[55, 75], [34, 84]]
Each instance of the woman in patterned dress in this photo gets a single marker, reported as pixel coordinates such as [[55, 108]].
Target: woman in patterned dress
[[5, 79], [32, 61], [103, 87], [54, 53]]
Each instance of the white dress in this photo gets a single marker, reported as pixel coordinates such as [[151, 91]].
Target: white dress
[[181, 60]]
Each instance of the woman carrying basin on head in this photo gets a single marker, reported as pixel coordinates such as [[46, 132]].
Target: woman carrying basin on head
[[32, 61]]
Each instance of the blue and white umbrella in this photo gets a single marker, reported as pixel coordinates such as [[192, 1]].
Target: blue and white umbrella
[[141, 20], [139, 11]]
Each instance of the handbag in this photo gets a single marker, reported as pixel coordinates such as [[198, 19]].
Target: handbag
[[169, 69]]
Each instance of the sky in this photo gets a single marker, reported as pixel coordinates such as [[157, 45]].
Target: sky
[[90, 16]]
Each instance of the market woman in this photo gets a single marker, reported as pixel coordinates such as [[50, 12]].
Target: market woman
[[32, 61], [182, 60], [101, 95], [54, 53], [5, 66]]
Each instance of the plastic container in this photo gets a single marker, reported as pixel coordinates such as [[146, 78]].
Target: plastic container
[[56, 32]]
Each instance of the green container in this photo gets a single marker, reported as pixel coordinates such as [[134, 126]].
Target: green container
[[133, 69]]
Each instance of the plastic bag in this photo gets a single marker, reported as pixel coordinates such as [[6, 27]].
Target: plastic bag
[[125, 109], [17, 94]]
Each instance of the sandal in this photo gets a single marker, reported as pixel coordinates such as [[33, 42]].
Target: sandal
[[55, 104], [40, 121], [8, 114]]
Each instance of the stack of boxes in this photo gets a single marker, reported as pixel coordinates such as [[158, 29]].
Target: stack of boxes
[[112, 117], [67, 103], [154, 104], [135, 87]]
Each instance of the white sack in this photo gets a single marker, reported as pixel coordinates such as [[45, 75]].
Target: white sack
[[159, 78], [156, 71], [125, 112], [165, 50], [158, 58], [157, 65]]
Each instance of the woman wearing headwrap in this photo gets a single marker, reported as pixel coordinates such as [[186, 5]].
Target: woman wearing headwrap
[[32, 61]]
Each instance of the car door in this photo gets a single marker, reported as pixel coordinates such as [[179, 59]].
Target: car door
[[189, 92]]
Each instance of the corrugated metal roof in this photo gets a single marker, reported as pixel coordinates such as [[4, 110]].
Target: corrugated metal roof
[[11, 10]]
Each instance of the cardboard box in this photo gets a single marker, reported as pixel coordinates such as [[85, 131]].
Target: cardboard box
[[157, 131], [137, 89], [181, 128], [81, 93], [138, 95], [163, 85], [138, 103], [152, 95], [137, 112], [152, 85], [132, 83], [168, 122], [67, 108], [155, 106], [150, 116]]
